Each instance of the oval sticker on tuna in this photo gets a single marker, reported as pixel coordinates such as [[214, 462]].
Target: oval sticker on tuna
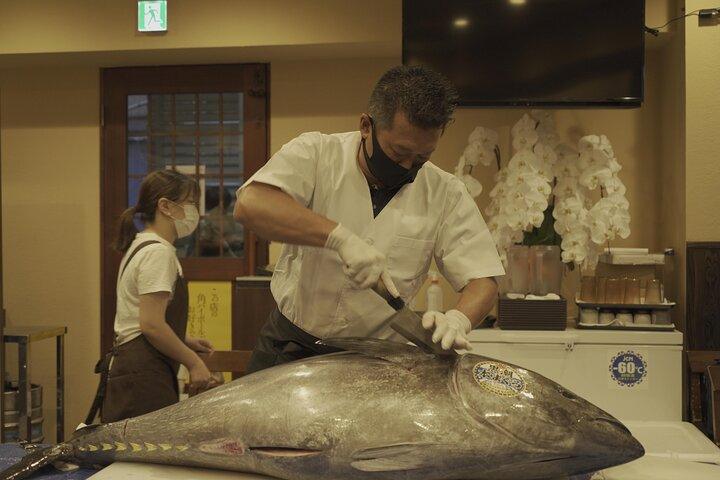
[[499, 378]]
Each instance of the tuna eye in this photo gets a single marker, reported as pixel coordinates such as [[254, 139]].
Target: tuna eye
[[567, 394]]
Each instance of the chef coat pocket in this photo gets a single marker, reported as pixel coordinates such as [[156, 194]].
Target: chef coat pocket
[[409, 258]]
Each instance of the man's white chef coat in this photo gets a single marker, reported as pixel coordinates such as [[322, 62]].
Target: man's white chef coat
[[434, 215]]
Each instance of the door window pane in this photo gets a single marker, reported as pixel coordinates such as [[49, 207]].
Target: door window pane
[[200, 135], [137, 113], [209, 117]]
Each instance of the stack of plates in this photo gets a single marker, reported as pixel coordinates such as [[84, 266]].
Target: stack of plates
[[520, 314]]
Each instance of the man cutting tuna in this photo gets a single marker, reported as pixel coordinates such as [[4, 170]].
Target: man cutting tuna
[[358, 207]]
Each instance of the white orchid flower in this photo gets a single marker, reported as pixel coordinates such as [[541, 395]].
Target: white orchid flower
[[592, 158], [525, 140], [615, 186], [588, 143], [486, 156], [565, 168], [460, 167], [543, 117], [606, 147], [614, 165], [499, 190], [523, 187], [569, 206], [566, 153], [546, 153], [574, 245], [526, 123], [492, 210], [488, 138], [471, 153], [474, 187], [565, 187], [593, 177], [564, 224], [599, 231], [522, 161], [501, 175]]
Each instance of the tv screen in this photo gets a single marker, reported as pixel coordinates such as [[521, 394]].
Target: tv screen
[[537, 52]]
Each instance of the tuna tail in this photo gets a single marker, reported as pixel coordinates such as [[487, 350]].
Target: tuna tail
[[34, 461]]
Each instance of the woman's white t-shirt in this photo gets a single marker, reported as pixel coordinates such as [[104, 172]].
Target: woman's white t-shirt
[[154, 268]]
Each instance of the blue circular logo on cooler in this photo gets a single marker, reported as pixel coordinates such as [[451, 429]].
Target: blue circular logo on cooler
[[628, 368]]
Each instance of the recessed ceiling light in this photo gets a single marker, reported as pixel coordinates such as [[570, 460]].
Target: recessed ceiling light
[[461, 22]]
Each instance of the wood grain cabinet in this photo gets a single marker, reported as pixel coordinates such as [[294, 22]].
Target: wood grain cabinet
[[703, 296], [252, 302]]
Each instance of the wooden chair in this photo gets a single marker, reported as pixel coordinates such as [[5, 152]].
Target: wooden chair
[[232, 361], [704, 376], [712, 379]]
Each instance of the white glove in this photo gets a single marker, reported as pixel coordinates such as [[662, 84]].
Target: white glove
[[451, 329], [364, 264]]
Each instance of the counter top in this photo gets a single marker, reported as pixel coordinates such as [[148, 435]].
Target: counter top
[[575, 336]]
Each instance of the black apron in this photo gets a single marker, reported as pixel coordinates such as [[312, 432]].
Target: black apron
[[281, 341], [141, 379]]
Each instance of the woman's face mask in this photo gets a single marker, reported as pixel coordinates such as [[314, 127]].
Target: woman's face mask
[[187, 225], [384, 169]]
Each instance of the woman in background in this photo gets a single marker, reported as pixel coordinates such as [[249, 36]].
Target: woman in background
[[152, 301]]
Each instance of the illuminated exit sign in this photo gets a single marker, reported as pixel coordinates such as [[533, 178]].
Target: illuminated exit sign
[[152, 16]]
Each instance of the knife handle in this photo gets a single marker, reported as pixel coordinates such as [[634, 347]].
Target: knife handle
[[396, 303]]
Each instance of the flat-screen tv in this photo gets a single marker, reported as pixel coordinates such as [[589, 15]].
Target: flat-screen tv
[[559, 53]]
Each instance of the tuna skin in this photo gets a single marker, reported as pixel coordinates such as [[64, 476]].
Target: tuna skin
[[383, 410]]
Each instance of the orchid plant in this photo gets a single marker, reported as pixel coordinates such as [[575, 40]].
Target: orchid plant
[[546, 194]]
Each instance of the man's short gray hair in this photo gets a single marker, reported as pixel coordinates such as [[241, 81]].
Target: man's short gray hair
[[426, 97]]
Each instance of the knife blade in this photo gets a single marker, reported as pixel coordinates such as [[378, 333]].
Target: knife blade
[[409, 324]]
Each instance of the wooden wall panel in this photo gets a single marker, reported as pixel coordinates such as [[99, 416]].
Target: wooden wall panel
[[703, 296]]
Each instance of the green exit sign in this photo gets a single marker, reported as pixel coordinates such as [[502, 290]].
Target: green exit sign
[[152, 16]]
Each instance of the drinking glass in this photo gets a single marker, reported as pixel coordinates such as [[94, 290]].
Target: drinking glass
[[632, 291], [518, 271], [600, 286], [613, 290], [587, 289], [547, 269], [653, 293]]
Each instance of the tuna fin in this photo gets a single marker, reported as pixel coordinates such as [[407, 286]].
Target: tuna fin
[[393, 458], [34, 461], [396, 352], [84, 429], [285, 452]]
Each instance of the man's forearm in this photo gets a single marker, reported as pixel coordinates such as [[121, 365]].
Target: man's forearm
[[275, 216], [478, 299]]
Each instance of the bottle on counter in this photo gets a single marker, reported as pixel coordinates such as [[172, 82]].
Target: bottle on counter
[[434, 293]]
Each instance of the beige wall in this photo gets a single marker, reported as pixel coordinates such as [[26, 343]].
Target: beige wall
[[51, 237], [702, 127], [325, 57], [49, 105]]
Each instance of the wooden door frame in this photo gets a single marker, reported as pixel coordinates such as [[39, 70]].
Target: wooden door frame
[[116, 84]]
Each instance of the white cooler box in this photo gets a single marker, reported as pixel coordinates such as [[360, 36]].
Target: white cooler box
[[633, 375]]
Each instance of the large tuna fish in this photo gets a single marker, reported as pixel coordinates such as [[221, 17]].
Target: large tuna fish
[[382, 410]]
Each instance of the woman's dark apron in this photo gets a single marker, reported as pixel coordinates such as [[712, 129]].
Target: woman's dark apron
[[141, 379]]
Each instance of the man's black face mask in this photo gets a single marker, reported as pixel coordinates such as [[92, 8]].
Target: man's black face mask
[[389, 173]]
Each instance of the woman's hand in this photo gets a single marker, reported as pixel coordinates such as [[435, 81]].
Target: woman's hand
[[200, 376], [199, 345]]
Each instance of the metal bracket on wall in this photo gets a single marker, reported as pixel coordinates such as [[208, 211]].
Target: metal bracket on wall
[[708, 17]]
